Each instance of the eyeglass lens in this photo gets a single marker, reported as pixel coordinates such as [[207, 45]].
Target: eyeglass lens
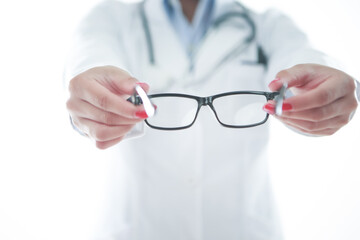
[[237, 110], [173, 112], [240, 109]]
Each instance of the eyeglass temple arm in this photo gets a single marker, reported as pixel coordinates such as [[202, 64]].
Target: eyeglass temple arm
[[135, 99], [271, 95]]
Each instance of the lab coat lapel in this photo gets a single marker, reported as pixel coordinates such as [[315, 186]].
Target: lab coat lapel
[[173, 68], [170, 56]]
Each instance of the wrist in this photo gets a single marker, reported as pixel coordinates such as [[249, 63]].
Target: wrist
[[76, 128]]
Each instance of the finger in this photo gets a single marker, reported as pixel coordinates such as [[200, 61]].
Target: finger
[[104, 98], [121, 82], [107, 144], [294, 76], [84, 109], [102, 133], [325, 132], [297, 76], [340, 107], [270, 107], [310, 126], [323, 95], [314, 85]]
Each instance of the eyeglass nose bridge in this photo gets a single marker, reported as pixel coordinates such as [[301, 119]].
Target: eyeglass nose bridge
[[205, 101]]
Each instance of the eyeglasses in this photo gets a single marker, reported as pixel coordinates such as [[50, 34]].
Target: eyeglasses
[[240, 109]]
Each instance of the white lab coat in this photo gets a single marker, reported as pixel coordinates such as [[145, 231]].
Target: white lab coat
[[206, 182]]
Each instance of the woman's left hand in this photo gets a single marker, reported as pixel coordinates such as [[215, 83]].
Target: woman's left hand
[[324, 99]]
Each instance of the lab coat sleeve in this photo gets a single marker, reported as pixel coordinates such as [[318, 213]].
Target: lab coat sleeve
[[285, 45], [97, 42]]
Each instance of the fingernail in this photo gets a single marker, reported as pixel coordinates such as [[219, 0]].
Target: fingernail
[[141, 114], [142, 84], [286, 106], [274, 81], [269, 108]]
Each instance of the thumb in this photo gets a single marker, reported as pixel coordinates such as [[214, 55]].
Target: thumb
[[298, 76], [121, 82]]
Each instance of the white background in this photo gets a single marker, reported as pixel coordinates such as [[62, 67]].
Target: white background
[[50, 177]]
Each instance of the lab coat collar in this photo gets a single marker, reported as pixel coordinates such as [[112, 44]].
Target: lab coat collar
[[165, 38], [172, 65], [156, 7]]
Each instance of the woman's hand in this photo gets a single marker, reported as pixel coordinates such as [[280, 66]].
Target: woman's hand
[[98, 104], [324, 99]]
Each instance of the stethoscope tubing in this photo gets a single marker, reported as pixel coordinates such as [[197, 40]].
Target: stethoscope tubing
[[216, 24]]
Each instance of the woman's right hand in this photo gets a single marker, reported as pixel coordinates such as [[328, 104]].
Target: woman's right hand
[[98, 104]]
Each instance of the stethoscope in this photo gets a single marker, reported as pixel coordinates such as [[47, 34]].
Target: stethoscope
[[216, 24]]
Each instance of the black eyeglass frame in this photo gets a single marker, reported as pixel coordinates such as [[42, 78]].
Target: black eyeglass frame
[[207, 101]]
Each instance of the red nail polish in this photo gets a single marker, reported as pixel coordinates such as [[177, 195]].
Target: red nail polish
[[286, 106], [141, 114], [274, 81], [269, 108], [142, 84]]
